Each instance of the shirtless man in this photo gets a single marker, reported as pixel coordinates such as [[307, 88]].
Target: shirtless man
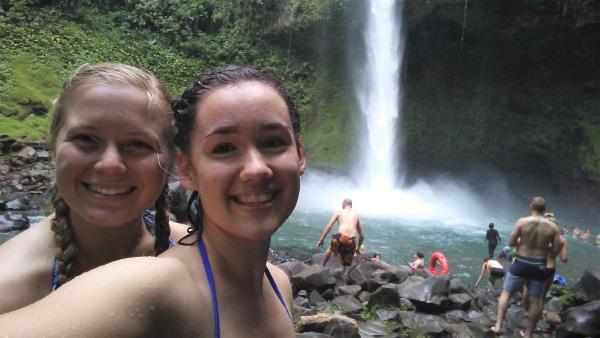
[[495, 271], [563, 255], [343, 242], [534, 237]]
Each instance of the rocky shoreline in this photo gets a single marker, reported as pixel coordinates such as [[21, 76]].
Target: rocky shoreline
[[372, 299]]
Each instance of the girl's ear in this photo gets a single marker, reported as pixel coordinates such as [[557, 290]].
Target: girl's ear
[[185, 171], [301, 157]]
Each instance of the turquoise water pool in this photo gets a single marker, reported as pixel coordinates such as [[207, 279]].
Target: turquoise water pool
[[397, 240]]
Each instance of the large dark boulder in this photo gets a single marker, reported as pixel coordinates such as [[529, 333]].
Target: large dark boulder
[[314, 277], [361, 272], [352, 290], [589, 285], [429, 295], [398, 274], [581, 321], [460, 301], [292, 268], [341, 328], [348, 304], [386, 295]]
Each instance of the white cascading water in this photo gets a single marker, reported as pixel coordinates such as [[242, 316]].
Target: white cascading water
[[375, 188], [380, 98]]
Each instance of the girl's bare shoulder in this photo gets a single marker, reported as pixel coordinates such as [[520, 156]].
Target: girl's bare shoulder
[[178, 230]]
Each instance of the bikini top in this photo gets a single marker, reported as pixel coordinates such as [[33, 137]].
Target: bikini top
[[148, 221], [211, 283]]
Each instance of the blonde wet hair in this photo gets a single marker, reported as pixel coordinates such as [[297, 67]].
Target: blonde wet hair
[[159, 100]]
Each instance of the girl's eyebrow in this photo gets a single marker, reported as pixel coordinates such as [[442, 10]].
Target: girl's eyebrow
[[223, 130]]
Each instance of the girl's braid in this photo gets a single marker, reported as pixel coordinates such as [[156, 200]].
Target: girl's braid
[[162, 229], [66, 250]]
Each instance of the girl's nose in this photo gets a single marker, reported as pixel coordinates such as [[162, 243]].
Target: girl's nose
[[111, 162], [255, 167]]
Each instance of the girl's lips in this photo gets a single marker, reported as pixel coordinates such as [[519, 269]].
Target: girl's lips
[[108, 191], [255, 199]]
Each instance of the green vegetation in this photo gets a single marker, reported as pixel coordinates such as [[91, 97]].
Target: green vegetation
[[41, 43]]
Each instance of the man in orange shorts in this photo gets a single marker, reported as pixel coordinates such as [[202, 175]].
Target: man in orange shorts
[[343, 242]]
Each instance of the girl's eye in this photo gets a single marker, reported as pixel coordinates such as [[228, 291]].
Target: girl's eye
[[275, 143], [139, 147], [85, 140], [223, 148]]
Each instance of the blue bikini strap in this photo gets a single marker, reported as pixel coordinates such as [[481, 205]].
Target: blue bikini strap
[[276, 289], [54, 275], [211, 282]]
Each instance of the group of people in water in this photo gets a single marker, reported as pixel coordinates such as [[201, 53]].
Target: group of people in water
[[582, 234], [89, 268]]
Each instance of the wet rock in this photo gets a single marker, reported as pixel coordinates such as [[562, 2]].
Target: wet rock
[[460, 301], [315, 298], [428, 324], [583, 320], [386, 295], [341, 328], [364, 296], [13, 222], [406, 318], [21, 203], [429, 295], [348, 304], [459, 330], [385, 314], [292, 268], [589, 285], [372, 328], [6, 142], [457, 315], [328, 294], [398, 274], [300, 312], [360, 274], [319, 322], [314, 277], [457, 286], [312, 335], [378, 278], [351, 290], [301, 302], [302, 293], [26, 154], [43, 155]]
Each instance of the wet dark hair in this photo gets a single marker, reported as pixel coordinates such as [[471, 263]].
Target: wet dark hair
[[538, 204], [420, 254], [486, 259], [185, 112], [491, 225]]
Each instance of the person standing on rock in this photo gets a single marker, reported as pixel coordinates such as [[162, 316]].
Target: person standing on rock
[[343, 242], [535, 236], [111, 138], [493, 237]]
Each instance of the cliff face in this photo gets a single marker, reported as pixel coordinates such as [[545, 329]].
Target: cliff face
[[506, 86]]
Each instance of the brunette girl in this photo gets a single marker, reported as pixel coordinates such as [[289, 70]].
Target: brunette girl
[[111, 137]]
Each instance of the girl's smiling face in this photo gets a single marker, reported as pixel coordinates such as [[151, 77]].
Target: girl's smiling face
[[244, 160], [107, 167]]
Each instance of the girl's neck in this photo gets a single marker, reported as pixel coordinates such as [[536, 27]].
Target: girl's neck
[[98, 245], [243, 261]]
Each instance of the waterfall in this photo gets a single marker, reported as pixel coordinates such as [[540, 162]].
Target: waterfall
[[380, 97]]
